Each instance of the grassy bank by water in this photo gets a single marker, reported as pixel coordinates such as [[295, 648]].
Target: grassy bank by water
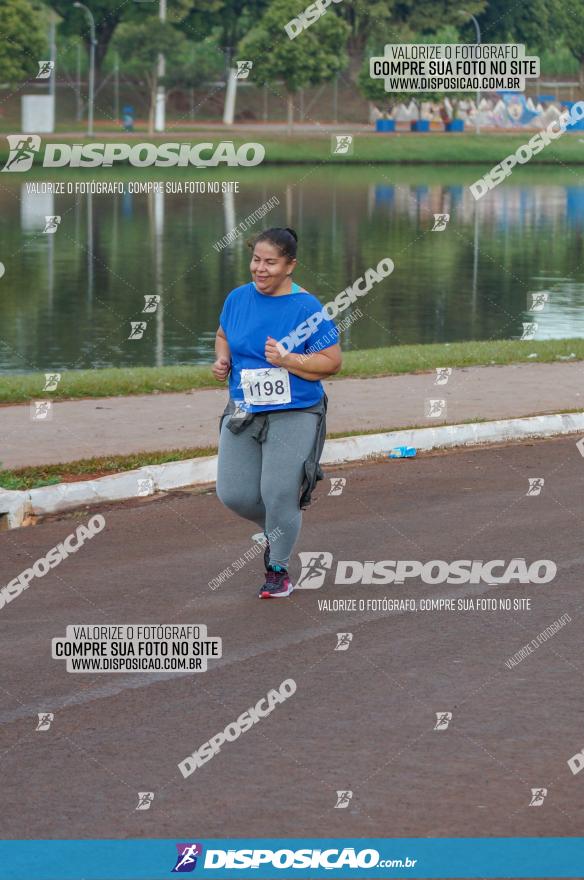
[[369, 147], [118, 382]]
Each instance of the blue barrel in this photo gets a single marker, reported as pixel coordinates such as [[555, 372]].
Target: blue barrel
[[575, 205], [385, 125], [384, 194], [420, 125], [455, 125]]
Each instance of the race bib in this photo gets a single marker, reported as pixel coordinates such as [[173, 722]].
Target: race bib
[[266, 386]]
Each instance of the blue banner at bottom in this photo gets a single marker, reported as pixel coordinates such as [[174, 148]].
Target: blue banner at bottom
[[225, 859]]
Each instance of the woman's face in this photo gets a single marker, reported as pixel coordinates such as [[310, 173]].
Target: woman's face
[[269, 269]]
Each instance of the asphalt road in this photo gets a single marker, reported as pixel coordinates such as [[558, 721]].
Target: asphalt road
[[361, 719]]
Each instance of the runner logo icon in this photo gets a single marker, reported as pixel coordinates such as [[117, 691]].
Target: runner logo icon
[[45, 69], [343, 143], [51, 381], [314, 568], [51, 224], [440, 222], [145, 487], [442, 375], [45, 720], [243, 69], [535, 485], [529, 329], [41, 409], [443, 719], [145, 799], [343, 799], [538, 300], [538, 796], [434, 407], [343, 641], [137, 331], [187, 857], [22, 151]]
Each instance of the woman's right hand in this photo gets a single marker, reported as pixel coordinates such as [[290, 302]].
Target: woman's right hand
[[221, 368]]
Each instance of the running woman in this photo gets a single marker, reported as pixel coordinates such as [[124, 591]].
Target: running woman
[[273, 427]]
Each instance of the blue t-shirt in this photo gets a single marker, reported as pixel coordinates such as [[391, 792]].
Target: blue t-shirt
[[248, 317]]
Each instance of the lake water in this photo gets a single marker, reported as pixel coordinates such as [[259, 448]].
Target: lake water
[[67, 299]]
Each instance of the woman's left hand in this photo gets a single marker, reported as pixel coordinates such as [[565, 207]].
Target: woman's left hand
[[275, 353]]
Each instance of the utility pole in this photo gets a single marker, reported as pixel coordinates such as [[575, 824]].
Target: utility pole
[[53, 54], [53, 73], [230, 89], [160, 107], [93, 41], [78, 90], [478, 36], [117, 87]]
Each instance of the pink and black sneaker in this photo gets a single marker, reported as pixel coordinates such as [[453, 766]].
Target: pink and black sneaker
[[277, 585]]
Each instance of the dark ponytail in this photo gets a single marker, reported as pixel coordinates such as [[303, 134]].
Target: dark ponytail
[[282, 237]]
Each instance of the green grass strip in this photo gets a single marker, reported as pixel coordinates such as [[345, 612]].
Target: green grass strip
[[90, 468], [120, 382], [369, 146]]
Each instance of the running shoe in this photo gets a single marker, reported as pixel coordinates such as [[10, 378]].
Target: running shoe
[[278, 584]]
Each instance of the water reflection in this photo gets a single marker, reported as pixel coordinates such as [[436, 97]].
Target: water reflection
[[66, 300]]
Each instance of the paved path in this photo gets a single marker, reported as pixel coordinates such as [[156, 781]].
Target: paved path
[[304, 128], [361, 719], [120, 425]]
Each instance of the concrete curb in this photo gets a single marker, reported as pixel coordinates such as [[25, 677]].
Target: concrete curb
[[446, 436], [15, 507]]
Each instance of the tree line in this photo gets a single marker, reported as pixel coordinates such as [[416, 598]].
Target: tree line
[[201, 39]]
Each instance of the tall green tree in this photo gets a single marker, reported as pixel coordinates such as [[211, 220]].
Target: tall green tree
[[22, 42], [108, 14], [534, 22], [570, 18], [193, 64], [367, 19], [316, 55], [395, 21], [227, 20], [139, 44], [374, 89], [429, 16]]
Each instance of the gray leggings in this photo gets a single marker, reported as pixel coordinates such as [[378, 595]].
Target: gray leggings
[[262, 481]]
